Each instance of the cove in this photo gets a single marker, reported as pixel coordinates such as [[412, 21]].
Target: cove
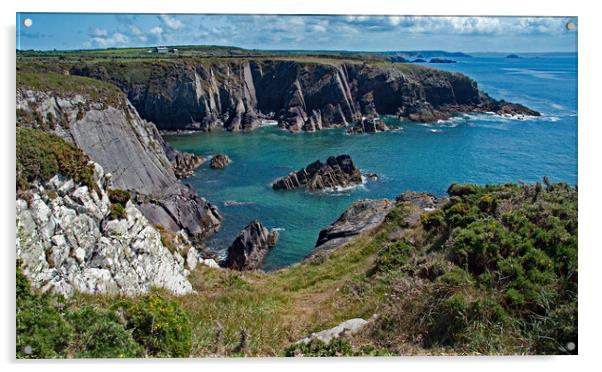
[[422, 157]]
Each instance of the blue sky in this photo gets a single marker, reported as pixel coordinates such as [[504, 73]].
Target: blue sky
[[369, 33]]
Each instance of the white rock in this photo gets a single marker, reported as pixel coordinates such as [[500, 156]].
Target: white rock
[[124, 256], [348, 327]]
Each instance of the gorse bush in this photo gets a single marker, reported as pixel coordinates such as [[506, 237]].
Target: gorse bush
[[513, 250], [159, 325], [42, 331], [48, 326], [41, 155]]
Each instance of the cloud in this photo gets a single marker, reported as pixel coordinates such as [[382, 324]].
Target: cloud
[[101, 38], [171, 22]]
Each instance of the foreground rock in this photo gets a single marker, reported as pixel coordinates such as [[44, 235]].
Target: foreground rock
[[337, 172], [109, 130], [346, 328], [250, 247], [220, 161], [363, 215], [67, 243]]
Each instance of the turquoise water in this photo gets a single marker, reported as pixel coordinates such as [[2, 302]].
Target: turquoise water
[[478, 149]]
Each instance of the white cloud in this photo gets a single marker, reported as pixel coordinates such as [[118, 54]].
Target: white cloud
[[102, 39], [171, 22]]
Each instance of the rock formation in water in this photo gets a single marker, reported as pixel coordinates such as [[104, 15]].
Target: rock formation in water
[[67, 243], [337, 172], [362, 216], [250, 247], [108, 128], [220, 161], [184, 164], [301, 96], [441, 60], [371, 125]]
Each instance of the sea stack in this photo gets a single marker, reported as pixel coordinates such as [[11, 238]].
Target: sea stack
[[249, 248], [339, 171]]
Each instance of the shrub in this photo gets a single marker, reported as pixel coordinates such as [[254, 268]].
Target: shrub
[[42, 331], [41, 155], [159, 325], [119, 196], [99, 334], [117, 211], [433, 220], [393, 257], [318, 348]]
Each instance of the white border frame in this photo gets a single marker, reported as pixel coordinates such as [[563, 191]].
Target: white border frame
[[589, 178]]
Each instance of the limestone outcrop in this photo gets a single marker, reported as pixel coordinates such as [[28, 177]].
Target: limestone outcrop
[[67, 243]]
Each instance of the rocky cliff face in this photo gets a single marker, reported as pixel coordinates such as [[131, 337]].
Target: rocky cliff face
[[67, 243], [301, 95], [112, 133], [337, 172]]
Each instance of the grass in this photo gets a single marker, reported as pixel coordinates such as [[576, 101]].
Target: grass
[[41, 155], [427, 298]]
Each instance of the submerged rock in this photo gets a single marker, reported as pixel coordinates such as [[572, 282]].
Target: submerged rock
[[250, 247], [220, 161], [363, 215], [339, 171]]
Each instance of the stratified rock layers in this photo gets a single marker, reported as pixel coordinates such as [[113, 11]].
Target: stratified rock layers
[[131, 150], [302, 96]]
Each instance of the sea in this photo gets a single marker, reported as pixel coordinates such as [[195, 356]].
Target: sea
[[481, 149]]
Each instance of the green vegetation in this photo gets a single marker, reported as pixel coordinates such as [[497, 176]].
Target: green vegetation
[[118, 199], [491, 271], [49, 326], [41, 155], [69, 85], [511, 253]]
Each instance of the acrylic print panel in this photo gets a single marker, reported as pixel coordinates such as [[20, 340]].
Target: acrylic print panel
[[265, 185]]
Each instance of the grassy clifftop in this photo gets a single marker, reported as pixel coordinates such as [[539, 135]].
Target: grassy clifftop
[[493, 271]]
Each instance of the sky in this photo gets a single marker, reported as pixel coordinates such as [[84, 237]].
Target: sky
[[65, 31]]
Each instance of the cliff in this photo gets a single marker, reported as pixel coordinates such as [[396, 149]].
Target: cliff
[[304, 94], [99, 119], [67, 242]]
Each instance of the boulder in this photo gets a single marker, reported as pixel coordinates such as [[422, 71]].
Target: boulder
[[346, 328], [220, 161], [337, 172], [250, 247], [371, 125]]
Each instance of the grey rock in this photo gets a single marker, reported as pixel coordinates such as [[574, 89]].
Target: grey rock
[[250, 247], [337, 172], [362, 216], [132, 151]]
